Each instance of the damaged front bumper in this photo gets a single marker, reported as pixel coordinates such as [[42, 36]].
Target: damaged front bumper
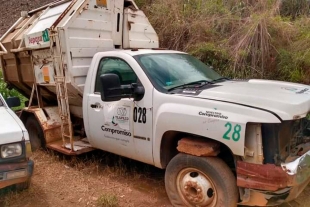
[[15, 173], [271, 185]]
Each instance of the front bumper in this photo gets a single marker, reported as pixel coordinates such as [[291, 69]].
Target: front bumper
[[270, 185], [15, 173]]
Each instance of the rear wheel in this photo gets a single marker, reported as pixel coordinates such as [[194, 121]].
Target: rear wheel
[[200, 181], [36, 134]]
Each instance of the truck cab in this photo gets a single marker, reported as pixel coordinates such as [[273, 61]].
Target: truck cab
[[15, 166], [216, 137]]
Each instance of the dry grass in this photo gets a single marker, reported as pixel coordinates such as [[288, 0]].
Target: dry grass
[[107, 200], [88, 180], [94, 180], [240, 38]]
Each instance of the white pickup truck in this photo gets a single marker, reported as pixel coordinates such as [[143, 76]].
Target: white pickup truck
[[15, 166], [90, 86]]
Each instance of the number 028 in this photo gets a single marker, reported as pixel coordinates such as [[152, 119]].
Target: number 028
[[236, 133], [139, 115]]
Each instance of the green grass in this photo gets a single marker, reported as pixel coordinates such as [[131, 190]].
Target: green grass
[[107, 200]]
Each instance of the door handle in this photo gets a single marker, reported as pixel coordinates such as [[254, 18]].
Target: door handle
[[94, 106]]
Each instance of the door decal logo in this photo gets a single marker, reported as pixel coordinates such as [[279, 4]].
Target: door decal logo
[[117, 116], [115, 131], [121, 111]]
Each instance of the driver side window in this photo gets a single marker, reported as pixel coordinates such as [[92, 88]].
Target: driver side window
[[116, 66]]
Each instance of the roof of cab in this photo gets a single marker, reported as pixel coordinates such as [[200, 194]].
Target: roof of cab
[[134, 52]]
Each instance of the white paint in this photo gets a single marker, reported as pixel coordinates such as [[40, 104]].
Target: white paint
[[11, 127], [34, 36], [138, 146], [207, 115], [265, 94], [117, 115], [302, 163], [83, 31]]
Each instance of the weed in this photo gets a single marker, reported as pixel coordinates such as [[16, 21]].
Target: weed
[[239, 38], [107, 200]]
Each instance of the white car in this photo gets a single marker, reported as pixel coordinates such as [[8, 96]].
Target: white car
[[15, 166]]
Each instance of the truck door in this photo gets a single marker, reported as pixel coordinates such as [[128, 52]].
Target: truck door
[[122, 127]]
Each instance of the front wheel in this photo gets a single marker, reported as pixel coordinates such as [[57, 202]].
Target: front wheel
[[200, 181]]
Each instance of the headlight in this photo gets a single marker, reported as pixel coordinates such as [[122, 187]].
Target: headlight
[[11, 150]]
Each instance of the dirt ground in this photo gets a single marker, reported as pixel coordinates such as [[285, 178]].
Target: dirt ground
[[10, 11], [64, 181], [83, 181]]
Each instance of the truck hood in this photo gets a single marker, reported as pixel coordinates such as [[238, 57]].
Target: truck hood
[[10, 130], [287, 100]]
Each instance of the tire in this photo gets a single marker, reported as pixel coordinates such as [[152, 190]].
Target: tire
[[23, 186], [192, 181], [36, 134]]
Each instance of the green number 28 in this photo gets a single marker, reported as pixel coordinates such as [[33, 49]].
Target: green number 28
[[236, 133]]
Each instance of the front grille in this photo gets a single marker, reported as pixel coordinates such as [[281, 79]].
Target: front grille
[[281, 140], [301, 132]]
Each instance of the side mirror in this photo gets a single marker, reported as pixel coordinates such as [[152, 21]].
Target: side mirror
[[138, 92], [112, 90], [110, 87], [13, 102]]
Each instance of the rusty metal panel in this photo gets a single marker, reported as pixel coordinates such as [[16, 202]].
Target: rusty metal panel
[[101, 3], [199, 147], [6, 183], [50, 124], [263, 177], [12, 167], [57, 146]]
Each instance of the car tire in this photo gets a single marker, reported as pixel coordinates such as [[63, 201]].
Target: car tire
[[192, 181], [36, 134]]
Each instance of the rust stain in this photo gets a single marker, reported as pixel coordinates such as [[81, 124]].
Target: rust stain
[[255, 198], [194, 197], [53, 134], [263, 177], [129, 24], [57, 146], [6, 183], [63, 15], [13, 167], [199, 147]]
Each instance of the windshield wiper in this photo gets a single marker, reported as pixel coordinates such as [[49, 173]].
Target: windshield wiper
[[187, 85], [220, 79]]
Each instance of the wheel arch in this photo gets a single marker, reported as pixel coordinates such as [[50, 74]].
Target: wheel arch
[[47, 118], [170, 140]]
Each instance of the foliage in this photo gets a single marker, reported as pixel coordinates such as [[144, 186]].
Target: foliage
[[295, 8], [107, 200], [240, 38], [5, 92]]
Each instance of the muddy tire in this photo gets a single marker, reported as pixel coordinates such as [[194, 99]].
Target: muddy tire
[[36, 134], [200, 181]]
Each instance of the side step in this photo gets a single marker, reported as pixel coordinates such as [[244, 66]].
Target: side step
[[80, 147]]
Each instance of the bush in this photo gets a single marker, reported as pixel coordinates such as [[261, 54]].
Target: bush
[[5, 92], [240, 38]]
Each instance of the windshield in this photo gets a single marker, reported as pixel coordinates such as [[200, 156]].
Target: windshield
[[1, 104], [170, 70]]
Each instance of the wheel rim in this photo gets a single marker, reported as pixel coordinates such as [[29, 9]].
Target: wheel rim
[[196, 188]]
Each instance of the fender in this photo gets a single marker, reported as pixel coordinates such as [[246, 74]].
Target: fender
[[220, 121], [48, 119]]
